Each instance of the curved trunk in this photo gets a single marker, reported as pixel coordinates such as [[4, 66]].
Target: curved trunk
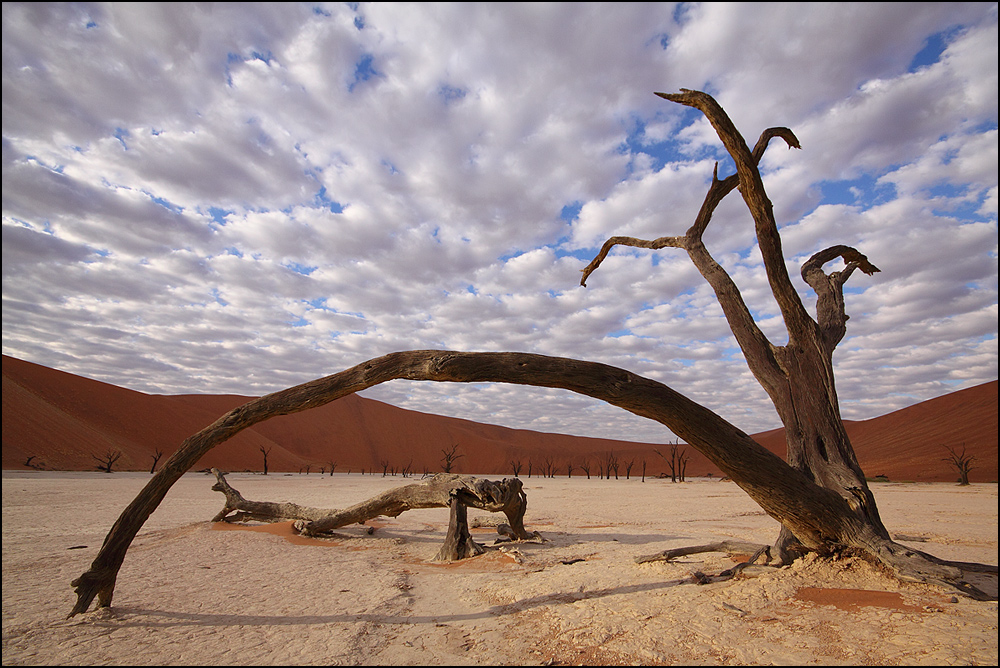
[[818, 517], [819, 497]]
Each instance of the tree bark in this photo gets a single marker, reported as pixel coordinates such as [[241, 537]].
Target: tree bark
[[820, 496], [818, 517], [444, 490]]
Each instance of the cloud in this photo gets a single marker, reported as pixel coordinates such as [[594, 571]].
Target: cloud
[[238, 198]]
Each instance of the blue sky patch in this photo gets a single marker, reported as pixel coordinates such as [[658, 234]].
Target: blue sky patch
[[364, 70], [323, 200]]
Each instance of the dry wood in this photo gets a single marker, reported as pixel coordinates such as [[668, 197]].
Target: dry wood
[[444, 490], [819, 496], [727, 546]]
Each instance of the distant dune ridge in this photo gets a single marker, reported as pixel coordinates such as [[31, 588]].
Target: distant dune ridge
[[63, 421]]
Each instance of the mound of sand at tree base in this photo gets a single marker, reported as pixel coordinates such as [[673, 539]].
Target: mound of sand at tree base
[[190, 593], [64, 420]]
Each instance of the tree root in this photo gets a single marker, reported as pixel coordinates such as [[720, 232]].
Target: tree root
[[977, 581]]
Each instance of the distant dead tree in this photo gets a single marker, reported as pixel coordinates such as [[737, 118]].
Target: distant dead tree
[[406, 469], [961, 462], [156, 458], [628, 467], [548, 468], [585, 465], [333, 466], [569, 469], [515, 467], [37, 466], [529, 468], [107, 460], [610, 463], [644, 470], [818, 495], [450, 457], [266, 452], [677, 462], [384, 463]]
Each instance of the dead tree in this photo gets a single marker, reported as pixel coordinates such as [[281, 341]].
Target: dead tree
[[450, 457], [266, 452], [609, 463], [586, 467], [515, 467], [819, 496], [156, 459], [333, 466], [107, 460], [671, 460], [444, 490], [677, 462], [548, 468], [628, 467], [962, 463]]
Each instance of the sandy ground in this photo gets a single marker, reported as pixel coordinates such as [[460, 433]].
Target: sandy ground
[[190, 593]]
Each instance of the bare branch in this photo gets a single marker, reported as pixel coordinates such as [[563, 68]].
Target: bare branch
[[829, 288], [758, 351], [656, 244], [797, 321]]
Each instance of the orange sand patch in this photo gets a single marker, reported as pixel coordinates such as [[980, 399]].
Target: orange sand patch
[[283, 529], [853, 600]]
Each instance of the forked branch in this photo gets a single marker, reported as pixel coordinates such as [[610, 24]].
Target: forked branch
[[830, 309], [797, 321]]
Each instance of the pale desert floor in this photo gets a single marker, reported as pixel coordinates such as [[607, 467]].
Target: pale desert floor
[[192, 594]]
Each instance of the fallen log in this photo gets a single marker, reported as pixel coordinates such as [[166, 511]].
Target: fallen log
[[728, 546], [444, 490]]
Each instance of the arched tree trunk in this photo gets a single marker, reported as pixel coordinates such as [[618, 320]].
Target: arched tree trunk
[[818, 517], [820, 496]]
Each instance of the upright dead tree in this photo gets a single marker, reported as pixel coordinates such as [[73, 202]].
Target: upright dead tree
[[677, 462], [107, 461], [819, 496], [961, 462], [265, 452], [450, 457], [515, 467], [157, 454]]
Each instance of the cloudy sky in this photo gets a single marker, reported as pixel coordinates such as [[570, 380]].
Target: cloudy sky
[[239, 198]]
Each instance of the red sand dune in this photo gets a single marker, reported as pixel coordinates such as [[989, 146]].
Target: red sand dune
[[62, 421]]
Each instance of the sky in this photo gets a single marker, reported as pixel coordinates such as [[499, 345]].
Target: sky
[[239, 198]]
